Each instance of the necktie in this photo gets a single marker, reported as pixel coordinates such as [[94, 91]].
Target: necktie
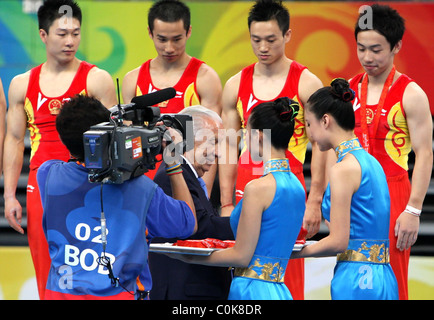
[[203, 185]]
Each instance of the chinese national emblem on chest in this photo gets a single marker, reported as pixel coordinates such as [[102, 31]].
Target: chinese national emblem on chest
[[54, 106], [369, 115]]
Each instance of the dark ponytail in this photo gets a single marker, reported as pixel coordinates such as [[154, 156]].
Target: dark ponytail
[[278, 116], [335, 100]]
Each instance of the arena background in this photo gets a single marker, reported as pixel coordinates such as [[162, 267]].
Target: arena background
[[114, 37]]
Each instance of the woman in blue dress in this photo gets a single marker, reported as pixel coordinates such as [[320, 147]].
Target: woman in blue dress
[[267, 221], [356, 202]]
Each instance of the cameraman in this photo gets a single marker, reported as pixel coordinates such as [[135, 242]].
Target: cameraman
[[82, 266]]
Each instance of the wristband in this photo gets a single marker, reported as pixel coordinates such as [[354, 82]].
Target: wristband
[[174, 167], [171, 173], [413, 211]]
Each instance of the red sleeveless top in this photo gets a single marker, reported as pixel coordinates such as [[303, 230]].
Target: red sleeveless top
[[186, 92], [391, 143], [41, 116], [247, 101]]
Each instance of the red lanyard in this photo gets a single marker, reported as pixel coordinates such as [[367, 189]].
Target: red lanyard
[[363, 116]]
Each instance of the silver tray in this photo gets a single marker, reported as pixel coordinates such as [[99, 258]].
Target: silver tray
[[170, 248]]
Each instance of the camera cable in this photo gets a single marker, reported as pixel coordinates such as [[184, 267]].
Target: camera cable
[[104, 260]]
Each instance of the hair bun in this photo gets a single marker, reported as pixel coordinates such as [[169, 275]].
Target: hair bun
[[286, 108], [341, 89]]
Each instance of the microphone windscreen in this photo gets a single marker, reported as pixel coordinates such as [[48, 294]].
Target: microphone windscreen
[[151, 99]]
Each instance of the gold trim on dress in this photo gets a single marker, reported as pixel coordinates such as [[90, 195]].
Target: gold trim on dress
[[276, 165], [376, 253], [347, 146], [269, 271]]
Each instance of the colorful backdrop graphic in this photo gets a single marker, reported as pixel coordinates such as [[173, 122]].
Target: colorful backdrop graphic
[[114, 36]]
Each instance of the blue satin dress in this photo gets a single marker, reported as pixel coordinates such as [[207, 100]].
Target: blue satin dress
[[280, 226], [363, 271]]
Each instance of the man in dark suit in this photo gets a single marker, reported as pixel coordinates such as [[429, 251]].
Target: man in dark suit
[[173, 279]]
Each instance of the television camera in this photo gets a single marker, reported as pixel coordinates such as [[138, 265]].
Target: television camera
[[115, 152]]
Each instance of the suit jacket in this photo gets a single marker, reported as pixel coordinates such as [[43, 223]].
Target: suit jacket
[[175, 280]]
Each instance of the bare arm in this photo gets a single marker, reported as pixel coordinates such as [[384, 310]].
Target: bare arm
[[129, 85], [209, 88], [2, 123], [229, 150], [309, 83], [419, 123], [180, 191], [14, 149], [100, 85]]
